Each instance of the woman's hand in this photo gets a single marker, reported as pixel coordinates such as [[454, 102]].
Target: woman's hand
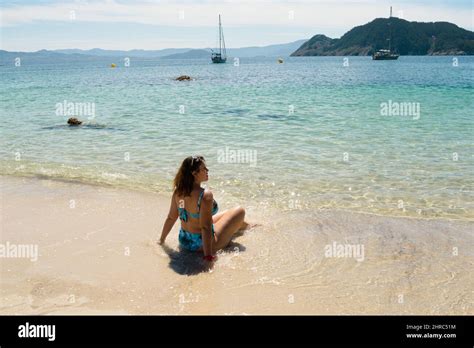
[[209, 258], [161, 241]]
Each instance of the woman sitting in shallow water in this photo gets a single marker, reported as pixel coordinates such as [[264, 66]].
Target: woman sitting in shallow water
[[201, 227]]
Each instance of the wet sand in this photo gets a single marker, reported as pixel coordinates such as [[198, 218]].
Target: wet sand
[[98, 255]]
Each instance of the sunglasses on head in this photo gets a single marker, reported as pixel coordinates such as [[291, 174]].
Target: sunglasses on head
[[197, 159]]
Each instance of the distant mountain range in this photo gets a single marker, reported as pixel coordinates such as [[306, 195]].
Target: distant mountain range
[[408, 38], [191, 54], [118, 53], [45, 56], [281, 50]]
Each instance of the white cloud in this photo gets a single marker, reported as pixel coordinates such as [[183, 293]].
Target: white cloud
[[246, 22], [306, 13]]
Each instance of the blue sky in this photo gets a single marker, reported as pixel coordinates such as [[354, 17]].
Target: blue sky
[[155, 24]]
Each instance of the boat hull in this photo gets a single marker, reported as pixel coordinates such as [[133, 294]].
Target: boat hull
[[218, 60], [393, 57]]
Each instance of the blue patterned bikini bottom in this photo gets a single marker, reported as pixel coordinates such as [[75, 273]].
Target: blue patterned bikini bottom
[[191, 241]]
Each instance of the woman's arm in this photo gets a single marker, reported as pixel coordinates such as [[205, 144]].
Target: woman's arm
[[170, 220], [206, 223]]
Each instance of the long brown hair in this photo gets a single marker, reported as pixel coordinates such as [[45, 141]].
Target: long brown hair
[[184, 180]]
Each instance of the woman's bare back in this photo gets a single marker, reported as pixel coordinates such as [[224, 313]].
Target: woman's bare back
[[190, 203]]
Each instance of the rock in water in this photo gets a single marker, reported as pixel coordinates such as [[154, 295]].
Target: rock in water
[[183, 78], [74, 122]]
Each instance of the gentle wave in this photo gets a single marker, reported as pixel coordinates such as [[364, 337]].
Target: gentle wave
[[257, 196]]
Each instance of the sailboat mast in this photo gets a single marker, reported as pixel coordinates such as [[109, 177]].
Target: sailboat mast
[[390, 37], [220, 35], [223, 43]]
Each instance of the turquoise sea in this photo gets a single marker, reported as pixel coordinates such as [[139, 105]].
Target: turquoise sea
[[311, 132]]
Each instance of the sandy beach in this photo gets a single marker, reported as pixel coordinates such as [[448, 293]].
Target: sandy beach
[[97, 254]]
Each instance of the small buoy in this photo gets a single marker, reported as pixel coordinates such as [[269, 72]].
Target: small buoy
[[280, 60], [113, 65]]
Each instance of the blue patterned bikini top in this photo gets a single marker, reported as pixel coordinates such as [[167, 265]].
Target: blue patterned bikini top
[[184, 214]]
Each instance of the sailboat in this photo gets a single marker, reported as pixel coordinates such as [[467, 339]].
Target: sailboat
[[386, 54], [220, 57]]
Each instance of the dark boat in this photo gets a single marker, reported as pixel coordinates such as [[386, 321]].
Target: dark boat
[[386, 54], [220, 57]]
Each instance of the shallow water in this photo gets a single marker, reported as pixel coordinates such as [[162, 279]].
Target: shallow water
[[311, 131], [103, 255]]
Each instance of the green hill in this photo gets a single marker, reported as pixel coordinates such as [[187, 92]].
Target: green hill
[[408, 38]]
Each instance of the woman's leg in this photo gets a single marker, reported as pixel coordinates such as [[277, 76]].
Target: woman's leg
[[218, 216], [244, 225], [230, 222]]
